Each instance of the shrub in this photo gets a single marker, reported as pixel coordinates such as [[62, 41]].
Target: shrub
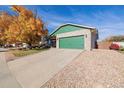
[[121, 48]]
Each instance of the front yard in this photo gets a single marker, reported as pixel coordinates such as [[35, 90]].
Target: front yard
[[14, 54], [121, 52], [21, 53], [97, 68]]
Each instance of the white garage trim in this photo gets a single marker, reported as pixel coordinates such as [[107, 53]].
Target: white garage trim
[[85, 32]]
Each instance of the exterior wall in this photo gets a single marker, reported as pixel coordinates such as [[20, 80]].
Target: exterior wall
[[85, 32], [93, 39]]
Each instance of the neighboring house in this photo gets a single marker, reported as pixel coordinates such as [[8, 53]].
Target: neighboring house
[[73, 36]]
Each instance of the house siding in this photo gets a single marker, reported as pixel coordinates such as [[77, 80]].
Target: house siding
[[67, 28]]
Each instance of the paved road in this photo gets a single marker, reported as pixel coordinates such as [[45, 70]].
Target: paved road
[[3, 49], [6, 78], [35, 70]]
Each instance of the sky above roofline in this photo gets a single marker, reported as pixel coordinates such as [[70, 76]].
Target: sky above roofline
[[109, 20]]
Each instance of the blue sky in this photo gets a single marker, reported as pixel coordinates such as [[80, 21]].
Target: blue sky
[[109, 20]]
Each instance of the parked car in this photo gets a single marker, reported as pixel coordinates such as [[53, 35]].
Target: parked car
[[22, 46], [114, 46], [8, 46]]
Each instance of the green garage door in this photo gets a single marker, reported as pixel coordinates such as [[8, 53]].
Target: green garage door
[[74, 42]]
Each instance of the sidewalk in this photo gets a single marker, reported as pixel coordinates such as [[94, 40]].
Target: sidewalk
[[6, 79]]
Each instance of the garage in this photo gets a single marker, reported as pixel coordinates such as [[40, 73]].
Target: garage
[[73, 36], [73, 42]]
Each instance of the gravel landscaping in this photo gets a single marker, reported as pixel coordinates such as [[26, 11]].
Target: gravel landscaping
[[97, 68]]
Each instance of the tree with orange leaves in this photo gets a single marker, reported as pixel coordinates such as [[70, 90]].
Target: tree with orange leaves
[[25, 27], [5, 21]]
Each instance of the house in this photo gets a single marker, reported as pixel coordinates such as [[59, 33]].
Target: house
[[73, 36]]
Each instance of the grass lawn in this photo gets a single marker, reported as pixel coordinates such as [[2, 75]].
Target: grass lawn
[[21, 53]]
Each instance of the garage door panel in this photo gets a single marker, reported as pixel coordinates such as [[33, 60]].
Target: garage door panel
[[74, 42]]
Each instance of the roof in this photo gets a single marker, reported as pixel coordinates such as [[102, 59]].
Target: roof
[[81, 26]]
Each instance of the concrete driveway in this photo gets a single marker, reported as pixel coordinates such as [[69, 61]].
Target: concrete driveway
[[37, 69], [6, 78]]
